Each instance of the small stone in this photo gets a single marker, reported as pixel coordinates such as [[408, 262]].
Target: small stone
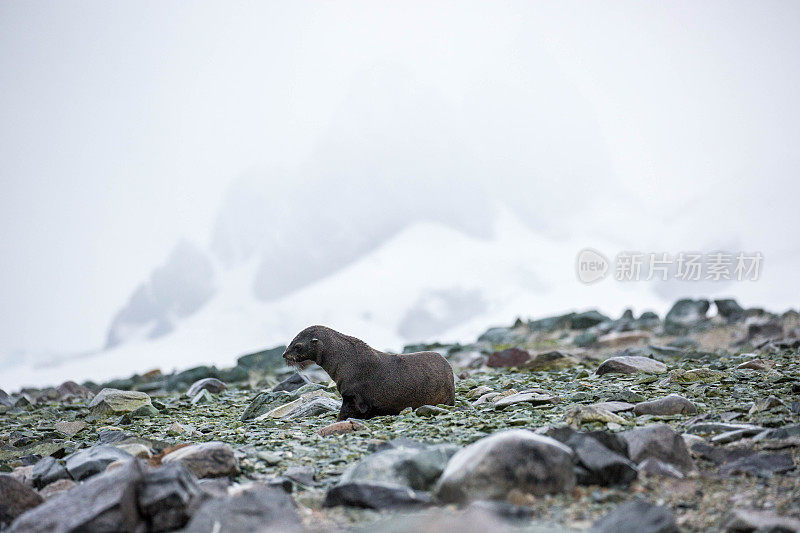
[[614, 407], [685, 315], [203, 397], [637, 517], [292, 383], [672, 404], [511, 460], [760, 365], [696, 375], [15, 499], [759, 464], [176, 429], [552, 360], [304, 475], [70, 429], [508, 358], [430, 410], [208, 459], [765, 404], [581, 414], [630, 364], [537, 397], [91, 461], [486, 398], [340, 428], [166, 495], [70, 389], [477, 392], [212, 385], [110, 401], [655, 467], [661, 442]]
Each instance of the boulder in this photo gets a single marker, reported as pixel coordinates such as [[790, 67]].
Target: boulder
[[630, 364], [91, 461], [56, 488], [637, 517], [110, 401], [672, 404], [208, 459], [512, 460], [212, 385], [15, 499], [375, 496], [661, 442], [415, 467], [255, 508]]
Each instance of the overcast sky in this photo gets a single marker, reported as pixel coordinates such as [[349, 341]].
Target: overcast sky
[[123, 123]]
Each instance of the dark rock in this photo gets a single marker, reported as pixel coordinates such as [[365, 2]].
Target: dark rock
[[182, 380], [730, 310], [212, 385], [15, 499], [661, 442], [552, 360], [208, 459], [375, 496], [582, 340], [586, 320], [264, 360], [508, 358], [551, 323], [234, 375], [263, 403], [70, 389], [685, 315], [418, 466], [46, 471], [106, 502], [509, 460], [216, 487], [637, 517], [630, 364], [720, 455], [5, 399], [759, 464], [257, 508], [771, 329], [672, 404], [780, 433], [714, 428], [89, 462], [497, 336], [603, 466], [165, 497], [292, 383]]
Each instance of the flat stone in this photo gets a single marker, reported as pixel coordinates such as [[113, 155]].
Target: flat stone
[[92, 461], [375, 496], [765, 404], [202, 397], [581, 414], [310, 404], [341, 427], [746, 520], [430, 410], [658, 441], [212, 385], [486, 398], [208, 459], [512, 460], [759, 464], [257, 507], [695, 375], [70, 429], [713, 428], [110, 401], [614, 407], [531, 397], [15, 499], [761, 365], [304, 475], [672, 404], [477, 392], [630, 364], [637, 517]]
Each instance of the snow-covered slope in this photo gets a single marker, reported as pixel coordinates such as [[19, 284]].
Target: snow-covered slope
[[427, 282]]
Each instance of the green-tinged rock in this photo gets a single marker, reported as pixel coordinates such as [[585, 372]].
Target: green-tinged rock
[[112, 401], [696, 375]]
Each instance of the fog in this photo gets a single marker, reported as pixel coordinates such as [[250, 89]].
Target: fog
[[275, 127]]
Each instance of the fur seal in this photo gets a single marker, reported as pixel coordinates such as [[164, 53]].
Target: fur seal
[[371, 382]]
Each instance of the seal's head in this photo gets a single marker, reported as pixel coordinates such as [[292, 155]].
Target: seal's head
[[304, 348]]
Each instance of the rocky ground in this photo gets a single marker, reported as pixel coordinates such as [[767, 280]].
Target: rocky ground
[[565, 423]]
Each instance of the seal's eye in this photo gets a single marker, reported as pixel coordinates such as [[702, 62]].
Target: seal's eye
[[298, 348]]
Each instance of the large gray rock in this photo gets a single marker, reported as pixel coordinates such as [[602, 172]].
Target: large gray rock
[[730, 310], [208, 459], [375, 496], [166, 495], [418, 468], [661, 442], [630, 364], [637, 517], [672, 404], [111, 401], [15, 499], [253, 509], [46, 471], [516, 459], [685, 315], [600, 465], [103, 503], [91, 461]]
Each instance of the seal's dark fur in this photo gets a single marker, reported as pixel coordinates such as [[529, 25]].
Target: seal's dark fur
[[374, 383]]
